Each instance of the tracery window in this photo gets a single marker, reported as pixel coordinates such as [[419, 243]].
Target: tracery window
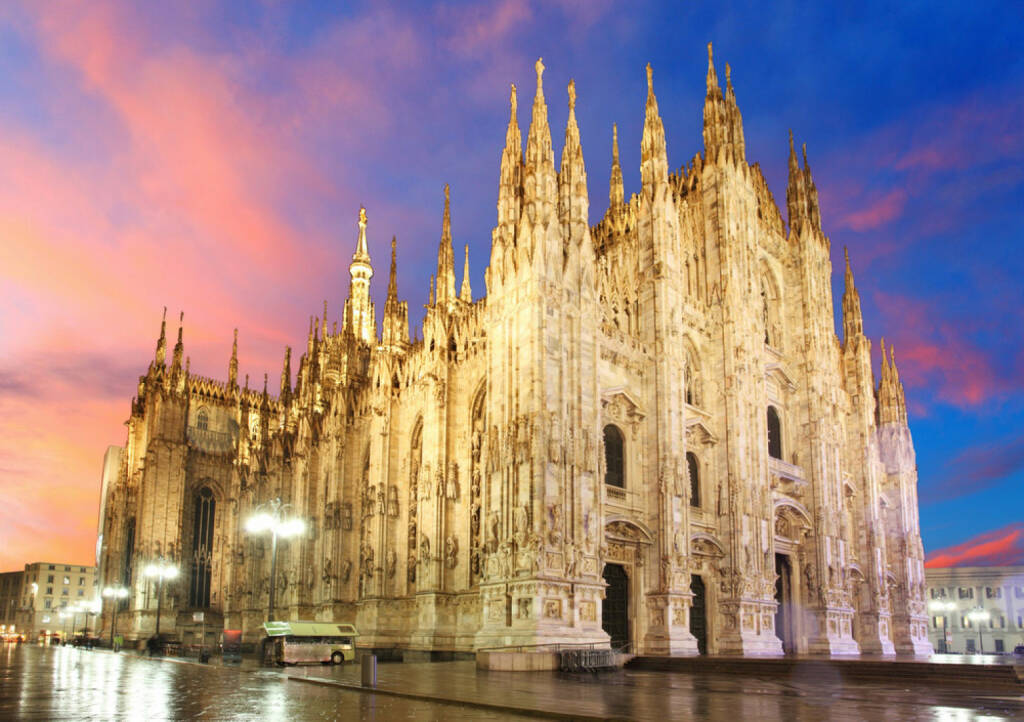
[[614, 457], [692, 381], [202, 547], [694, 471], [774, 434], [202, 420]]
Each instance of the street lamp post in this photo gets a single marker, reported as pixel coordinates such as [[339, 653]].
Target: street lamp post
[[942, 607], [161, 570], [978, 616], [116, 594], [270, 519]]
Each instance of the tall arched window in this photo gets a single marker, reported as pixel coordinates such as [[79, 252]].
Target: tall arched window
[[774, 434], [202, 420], [128, 558], [614, 458], [202, 548], [694, 470]]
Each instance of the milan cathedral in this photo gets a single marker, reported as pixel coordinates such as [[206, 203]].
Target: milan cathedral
[[647, 434]]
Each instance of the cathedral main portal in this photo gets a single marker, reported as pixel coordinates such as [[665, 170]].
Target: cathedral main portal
[[615, 610]]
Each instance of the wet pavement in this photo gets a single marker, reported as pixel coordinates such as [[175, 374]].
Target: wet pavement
[[49, 683], [662, 696], [68, 683]]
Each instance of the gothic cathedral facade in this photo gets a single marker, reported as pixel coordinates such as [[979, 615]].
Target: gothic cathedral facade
[[647, 434]]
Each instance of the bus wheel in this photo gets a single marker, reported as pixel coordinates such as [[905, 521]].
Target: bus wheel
[[337, 658]]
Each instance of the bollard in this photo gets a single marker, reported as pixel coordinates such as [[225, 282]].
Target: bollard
[[369, 670]]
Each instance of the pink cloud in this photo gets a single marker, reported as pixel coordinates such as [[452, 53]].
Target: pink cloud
[[936, 353], [998, 547], [979, 467], [878, 212], [479, 27]]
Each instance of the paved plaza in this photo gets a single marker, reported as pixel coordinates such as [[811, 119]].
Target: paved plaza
[[67, 683]]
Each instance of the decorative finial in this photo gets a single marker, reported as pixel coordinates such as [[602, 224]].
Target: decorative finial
[[728, 75], [615, 142], [711, 57], [539, 65], [447, 196], [362, 216], [650, 78], [572, 94], [512, 99]]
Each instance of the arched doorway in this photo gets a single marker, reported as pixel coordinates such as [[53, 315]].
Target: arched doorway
[[698, 613], [615, 610], [784, 597]]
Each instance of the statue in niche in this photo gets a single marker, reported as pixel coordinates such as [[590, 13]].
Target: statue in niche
[[410, 568], [424, 548], [474, 562], [554, 523], [554, 439], [474, 520], [346, 516], [451, 552], [521, 522], [452, 490], [476, 481], [393, 501], [391, 563], [380, 500], [346, 570], [440, 482], [328, 574], [495, 524]]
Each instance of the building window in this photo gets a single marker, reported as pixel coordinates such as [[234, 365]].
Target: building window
[[938, 622], [202, 547], [67, 580], [970, 646], [47, 603], [81, 581], [694, 471], [81, 592], [993, 593], [67, 569], [64, 592], [774, 434], [49, 590], [614, 457], [202, 420], [127, 555], [966, 592], [965, 622], [1018, 592], [49, 579], [51, 567], [999, 646]]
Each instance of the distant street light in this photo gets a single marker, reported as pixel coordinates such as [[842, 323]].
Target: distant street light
[[941, 608], [978, 616], [116, 594], [161, 570], [269, 519]]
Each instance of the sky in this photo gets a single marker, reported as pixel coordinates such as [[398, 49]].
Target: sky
[[212, 158]]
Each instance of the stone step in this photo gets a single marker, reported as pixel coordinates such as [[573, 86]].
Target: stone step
[[1000, 676]]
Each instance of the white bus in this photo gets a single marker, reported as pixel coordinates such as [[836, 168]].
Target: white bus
[[311, 642]]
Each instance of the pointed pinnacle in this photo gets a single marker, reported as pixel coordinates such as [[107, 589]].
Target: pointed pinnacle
[[513, 102], [650, 79], [539, 66], [572, 95], [615, 143]]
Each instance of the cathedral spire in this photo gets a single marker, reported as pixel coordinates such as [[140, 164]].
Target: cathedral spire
[[161, 343], [393, 273], [539, 182], [395, 331], [286, 376], [723, 123], [233, 364], [180, 346], [712, 80], [853, 321], [510, 182], [358, 308], [653, 153], [446, 256], [573, 203], [616, 191], [466, 293], [801, 195]]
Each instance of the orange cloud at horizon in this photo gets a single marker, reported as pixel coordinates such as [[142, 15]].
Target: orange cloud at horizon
[[998, 547]]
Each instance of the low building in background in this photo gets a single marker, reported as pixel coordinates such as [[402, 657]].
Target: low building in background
[[10, 600], [41, 600], [976, 609]]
